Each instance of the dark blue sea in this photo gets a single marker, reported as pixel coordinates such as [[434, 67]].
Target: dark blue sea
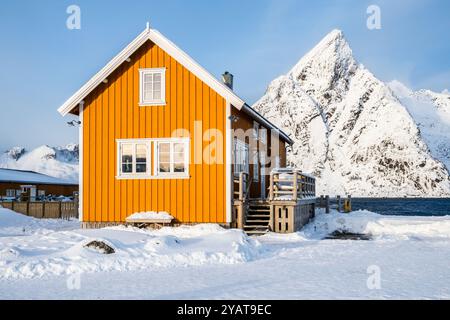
[[404, 207]]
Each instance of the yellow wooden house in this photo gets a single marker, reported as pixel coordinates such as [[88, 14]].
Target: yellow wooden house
[[159, 133]]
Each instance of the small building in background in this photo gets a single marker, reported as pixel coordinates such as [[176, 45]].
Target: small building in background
[[32, 186]]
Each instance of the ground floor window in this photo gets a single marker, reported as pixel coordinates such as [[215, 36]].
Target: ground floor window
[[10, 192], [241, 157], [133, 158], [170, 158]]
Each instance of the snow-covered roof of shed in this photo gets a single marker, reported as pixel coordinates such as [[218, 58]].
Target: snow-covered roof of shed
[[30, 177]]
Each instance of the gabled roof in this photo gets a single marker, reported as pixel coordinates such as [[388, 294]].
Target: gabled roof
[[30, 177], [183, 58], [171, 49]]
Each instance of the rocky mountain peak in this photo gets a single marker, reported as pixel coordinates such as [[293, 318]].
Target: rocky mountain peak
[[353, 131]]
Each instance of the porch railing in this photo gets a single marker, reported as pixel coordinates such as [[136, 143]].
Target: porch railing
[[292, 197], [242, 184], [291, 184]]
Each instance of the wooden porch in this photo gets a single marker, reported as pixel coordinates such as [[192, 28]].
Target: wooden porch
[[289, 206]]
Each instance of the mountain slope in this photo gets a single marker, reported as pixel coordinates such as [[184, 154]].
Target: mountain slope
[[59, 162], [431, 112], [350, 129]]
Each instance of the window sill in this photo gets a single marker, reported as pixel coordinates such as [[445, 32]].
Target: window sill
[[146, 177], [155, 104]]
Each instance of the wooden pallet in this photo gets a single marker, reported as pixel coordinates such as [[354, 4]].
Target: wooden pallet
[[150, 223]]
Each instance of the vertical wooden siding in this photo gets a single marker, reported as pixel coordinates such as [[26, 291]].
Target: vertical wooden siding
[[112, 112]]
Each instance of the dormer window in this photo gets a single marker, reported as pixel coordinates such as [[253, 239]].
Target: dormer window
[[152, 87]]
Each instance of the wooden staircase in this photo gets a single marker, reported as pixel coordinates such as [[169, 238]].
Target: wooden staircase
[[292, 196], [257, 220]]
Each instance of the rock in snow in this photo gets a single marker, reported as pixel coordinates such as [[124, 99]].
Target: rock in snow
[[355, 133], [59, 162]]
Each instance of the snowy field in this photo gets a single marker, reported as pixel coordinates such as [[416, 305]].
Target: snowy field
[[408, 257]]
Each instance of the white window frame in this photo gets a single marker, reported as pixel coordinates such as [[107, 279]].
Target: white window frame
[[172, 142], [263, 135], [11, 193], [133, 174], [255, 130], [240, 146], [152, 102], [256, 166]]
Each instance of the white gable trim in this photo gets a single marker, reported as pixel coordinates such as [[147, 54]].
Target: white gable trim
[[171, 49]]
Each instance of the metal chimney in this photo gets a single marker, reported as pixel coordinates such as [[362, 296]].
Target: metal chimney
[[227, 79]]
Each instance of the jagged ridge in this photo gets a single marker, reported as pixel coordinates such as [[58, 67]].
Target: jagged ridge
[[352, 131]]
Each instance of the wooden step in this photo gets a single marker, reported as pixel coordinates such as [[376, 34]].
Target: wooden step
[[259, 210], [258, 215], [256, 228], [261, 222]]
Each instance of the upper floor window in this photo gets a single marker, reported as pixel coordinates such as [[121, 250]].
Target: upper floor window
[[152, 88]]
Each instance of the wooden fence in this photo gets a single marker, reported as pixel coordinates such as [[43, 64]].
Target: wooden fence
[[44, 210], [340, 204]]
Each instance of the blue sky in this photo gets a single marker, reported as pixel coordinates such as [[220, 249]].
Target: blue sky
[[43, 63]]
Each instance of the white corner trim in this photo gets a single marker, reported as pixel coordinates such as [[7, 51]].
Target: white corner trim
[[172, 50], [80, 163], [228, 163]]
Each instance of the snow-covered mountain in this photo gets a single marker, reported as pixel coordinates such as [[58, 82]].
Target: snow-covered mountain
[[431, 111], [357, 134], [59, 162]]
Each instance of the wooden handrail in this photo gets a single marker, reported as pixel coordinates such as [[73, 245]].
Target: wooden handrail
[[291, 183], [295, 186]]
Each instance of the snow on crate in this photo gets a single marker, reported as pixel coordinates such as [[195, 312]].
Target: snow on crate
[[150, 215]]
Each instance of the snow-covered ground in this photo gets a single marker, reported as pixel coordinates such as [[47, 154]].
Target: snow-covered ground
[[46, 259]]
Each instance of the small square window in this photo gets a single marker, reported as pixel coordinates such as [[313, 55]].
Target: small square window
[[152, 89]]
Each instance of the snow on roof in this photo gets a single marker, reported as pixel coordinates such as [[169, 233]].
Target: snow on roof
[[22, 176]]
